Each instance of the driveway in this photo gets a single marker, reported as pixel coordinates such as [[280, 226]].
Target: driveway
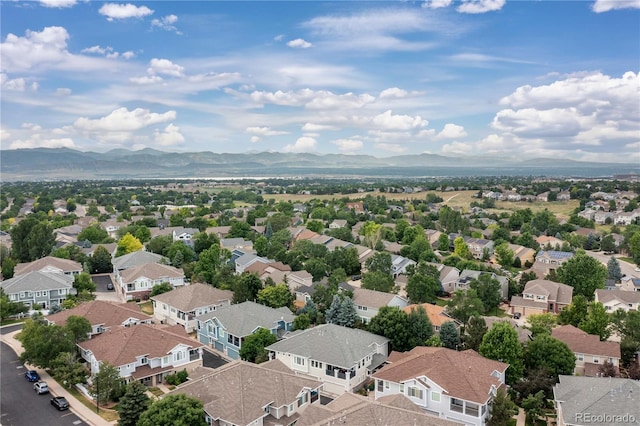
[[102, 293], [212, 360]]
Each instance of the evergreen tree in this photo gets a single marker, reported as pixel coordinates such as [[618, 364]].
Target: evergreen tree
[[613, 268], [332, 313], [420, 327], [502, 409], [347, 316], [133, 403], [474, 332], [449, 335], [100, 262]]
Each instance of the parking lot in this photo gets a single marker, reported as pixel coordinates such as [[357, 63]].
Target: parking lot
[[102, 292]]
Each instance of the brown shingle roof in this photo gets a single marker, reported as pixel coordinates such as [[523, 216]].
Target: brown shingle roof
[[238, 392], [194, 296], [150, 270], [371, 298], [465, 375], [122, 345], [604, 296], [46, 263], [584, 343], [100, 312], [434, 312]]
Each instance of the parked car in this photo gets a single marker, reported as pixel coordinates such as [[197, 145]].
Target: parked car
[[41, 387], [32, 375], [109, 286], [60, 402]]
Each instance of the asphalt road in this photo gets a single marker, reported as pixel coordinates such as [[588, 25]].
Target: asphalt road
[[19, 404], [627, 268]]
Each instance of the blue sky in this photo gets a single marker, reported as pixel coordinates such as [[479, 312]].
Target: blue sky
[[522, 79]]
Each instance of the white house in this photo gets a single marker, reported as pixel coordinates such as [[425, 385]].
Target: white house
[[137, 282], [369, 302]]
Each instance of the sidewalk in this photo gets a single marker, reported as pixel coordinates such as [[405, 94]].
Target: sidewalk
[[85, 413], [520, 418]]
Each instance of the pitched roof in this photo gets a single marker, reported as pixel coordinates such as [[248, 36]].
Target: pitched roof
[[353, 409], [436, 313], [37, 281], [372, 298], [136, 258], [604, 296], [560, 293], [583, 343], [48, 264], [524, 335], [613, 396], [238, 392], [150, 270], [101, 312], [196, 295], [243, 319], [465, 375], [330, 343], [121, 345]]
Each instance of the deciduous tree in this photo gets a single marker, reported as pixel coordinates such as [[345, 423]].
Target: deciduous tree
[[174, 410], [253, 346], [597, 321], [128, 244], [161, 288], [501, 344], [392, 323], [247, 288], [79, 327], [545, 351], [465, 304], [584, 273], [541, 323], [275, 296]]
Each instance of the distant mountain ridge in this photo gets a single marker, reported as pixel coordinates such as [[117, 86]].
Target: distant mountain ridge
[[69, 164]]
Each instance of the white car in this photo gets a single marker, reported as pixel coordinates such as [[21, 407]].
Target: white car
[[41, 387]]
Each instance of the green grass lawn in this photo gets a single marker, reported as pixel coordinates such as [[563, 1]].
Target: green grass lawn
[[108, 415], [442, 302]]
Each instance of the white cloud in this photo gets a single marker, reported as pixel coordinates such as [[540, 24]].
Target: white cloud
[[457, 148], [312, 127], [606, 5], [146, 79], [303, 144], [166, 23], [170, 136], [264, 131], [348, 145], [16, 84], [128, 54], [36, 141], [124, 11], [4, 134], [483, 59], [312, 99], [58, 3], [480, 6], [124, 120], [396, 93], [166, 67], [97, 49], [279, 37], [388, 121], [436, 4], [299, 44], [452, 131], [255, 139]]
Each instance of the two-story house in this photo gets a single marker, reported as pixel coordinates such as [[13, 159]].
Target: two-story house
[[43, 289], [369, 302], [341, 357], [551, 260], [542, 296], [184, 235], [479, 247], [136, 258], [618, 299], [590, 352], [137, 282], [463, 282], [245, 394], [449, 384], [49, 264], [103, 315], [142, 352], [182, 305], [226, 328]]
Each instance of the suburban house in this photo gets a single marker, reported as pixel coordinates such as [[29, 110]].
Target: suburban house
[[245, 394], [236, 243], [280, 273], [524, 335], [630, 284], [590, 352], [399, 264], [184, 235], [49, 264], [338, 223], [448, 276], [341, 357], [354, 409], [43, 289], [244, 260], [542, 296], [526, 255], [136, 258], [182, 305], [137, 282], [589, 401], [142, 352], [550, 242], [453, 385], [618, 299], [103, 315], [479, 247], [437, 315], [464, 281], [369, 302], [226, 328], [552, 259]]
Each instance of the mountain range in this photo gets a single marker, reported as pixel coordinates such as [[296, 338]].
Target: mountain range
[[68, 164]]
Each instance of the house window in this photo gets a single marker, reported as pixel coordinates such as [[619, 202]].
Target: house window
[[415, 392], [435, 396], [580, 357], [596, 360], [298, 360], [380, 385], [401, 387], [456, 405], [179, 355], [165, 360], [316, 364], [472, 409], [362, 308], [164, 306], [144, 360]]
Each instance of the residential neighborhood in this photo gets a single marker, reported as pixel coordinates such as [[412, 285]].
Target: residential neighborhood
[[270, 312]]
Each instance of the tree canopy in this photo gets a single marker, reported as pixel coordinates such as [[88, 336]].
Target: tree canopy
[[501, 344], [174, 410], [392, 323], [253, 346], [550, 353], [584, 273]]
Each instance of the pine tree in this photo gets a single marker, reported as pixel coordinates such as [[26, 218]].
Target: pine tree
[[133, 403], [613, 267], [334, 310], [347, 315], [449, 335]]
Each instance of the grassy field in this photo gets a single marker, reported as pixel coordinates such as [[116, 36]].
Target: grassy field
[[460, 199]]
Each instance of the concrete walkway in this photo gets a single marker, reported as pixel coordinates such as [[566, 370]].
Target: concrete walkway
[[85, 413], [520, 418]]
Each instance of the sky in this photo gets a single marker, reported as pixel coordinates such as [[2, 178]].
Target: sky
[[519, 79]]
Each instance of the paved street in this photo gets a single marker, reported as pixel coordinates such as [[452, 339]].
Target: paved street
[[19, 405], [627, 268]]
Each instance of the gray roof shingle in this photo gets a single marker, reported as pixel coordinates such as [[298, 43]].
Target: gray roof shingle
[[243, 319]]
